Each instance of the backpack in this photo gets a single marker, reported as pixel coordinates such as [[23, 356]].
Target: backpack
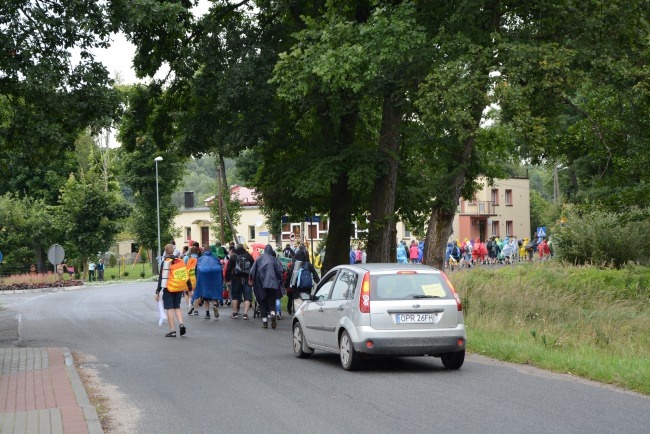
[[455, 252], [242, 265], [178, 276], [191, 270], [304, 276]]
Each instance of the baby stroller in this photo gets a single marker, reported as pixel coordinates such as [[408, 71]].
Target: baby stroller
[[256, 308]]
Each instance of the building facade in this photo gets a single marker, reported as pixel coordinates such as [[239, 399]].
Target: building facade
[[499, 210]]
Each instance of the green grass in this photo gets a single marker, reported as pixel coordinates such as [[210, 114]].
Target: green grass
[[586, 321], [132, 273]]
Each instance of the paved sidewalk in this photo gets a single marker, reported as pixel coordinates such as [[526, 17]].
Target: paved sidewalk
[[41, 392]]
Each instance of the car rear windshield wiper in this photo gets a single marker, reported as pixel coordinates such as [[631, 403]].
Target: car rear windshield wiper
[[425, 296]]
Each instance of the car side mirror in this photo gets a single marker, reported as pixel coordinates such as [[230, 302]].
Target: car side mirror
[[306, 297]]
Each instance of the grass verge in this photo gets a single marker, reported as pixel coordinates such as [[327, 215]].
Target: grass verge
[[586, 321], [97, 399]]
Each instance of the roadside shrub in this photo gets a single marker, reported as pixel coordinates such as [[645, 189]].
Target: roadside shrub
[[112, 262], [142, 274], [603, 238], [125, 274], [112, 276]]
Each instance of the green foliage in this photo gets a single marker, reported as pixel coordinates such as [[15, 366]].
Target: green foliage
[[233, 207], [584, 320], [46, 100], [603, 238], [112, 261], [25, 229], [146, 132], [90, 216], [543, 212]]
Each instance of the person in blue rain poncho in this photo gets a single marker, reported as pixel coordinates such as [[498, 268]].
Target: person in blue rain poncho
[[402, 257], [209, 282]]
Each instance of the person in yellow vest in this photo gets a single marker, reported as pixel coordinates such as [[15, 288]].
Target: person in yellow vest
[[173, 280], [190, 261]]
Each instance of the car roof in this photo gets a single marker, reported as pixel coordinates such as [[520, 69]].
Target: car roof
[[380, 267]]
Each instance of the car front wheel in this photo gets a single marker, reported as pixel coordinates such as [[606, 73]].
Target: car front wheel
[[299, 342], [350, 359], [453, 360]]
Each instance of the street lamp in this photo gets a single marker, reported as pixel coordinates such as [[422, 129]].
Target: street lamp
[[157, 159]]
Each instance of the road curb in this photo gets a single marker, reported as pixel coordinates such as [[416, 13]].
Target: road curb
[[33, 291], [90, 413]]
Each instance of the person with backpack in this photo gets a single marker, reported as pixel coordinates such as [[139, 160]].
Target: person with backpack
[[172, 281], [266, 277], [454, 259], [238, 271], [301, 276], [288, 252]]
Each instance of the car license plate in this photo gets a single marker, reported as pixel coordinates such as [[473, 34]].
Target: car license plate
[[414, 318]]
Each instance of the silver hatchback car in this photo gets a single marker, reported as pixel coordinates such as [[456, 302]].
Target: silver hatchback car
[[382, 309]]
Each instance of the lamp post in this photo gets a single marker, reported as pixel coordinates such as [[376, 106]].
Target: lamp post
[[157, 159]]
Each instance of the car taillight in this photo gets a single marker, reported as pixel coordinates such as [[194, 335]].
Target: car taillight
[[364, 298], [453, 291]]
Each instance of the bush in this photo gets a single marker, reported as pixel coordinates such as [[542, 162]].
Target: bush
[[112, 262], [142, 274], [112, 276], [603, 238], [126, 274]]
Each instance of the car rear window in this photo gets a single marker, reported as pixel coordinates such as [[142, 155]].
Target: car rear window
[[409, 286]]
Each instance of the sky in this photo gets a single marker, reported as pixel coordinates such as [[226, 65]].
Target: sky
[[119, 56], [118, 60]]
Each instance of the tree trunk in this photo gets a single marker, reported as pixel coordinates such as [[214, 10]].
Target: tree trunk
[[341, 208], [444, 208], [222, 165], [382, 233], [338, 236], [438, 232]]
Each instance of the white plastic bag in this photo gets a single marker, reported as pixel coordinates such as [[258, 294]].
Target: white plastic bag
[[161, 311]]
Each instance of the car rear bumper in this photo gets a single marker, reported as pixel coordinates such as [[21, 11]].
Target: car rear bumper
[[409, 343], [411, 347]]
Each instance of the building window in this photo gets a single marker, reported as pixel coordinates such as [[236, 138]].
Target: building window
[[251, 232], [407, 233], [495, 228], [508, 197], [495, 196], [188, 233], [509, 228]]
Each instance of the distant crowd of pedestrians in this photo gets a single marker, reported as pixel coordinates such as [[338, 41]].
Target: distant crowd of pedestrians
[[211, 276]]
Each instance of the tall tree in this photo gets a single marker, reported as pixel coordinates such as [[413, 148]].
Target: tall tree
[[46, 99], [146, 132], [90, 217]]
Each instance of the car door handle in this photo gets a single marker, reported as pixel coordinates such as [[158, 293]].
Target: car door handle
[[341, 308], [320, 310]]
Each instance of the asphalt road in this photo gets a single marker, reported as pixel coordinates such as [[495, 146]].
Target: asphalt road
[[233, 376]]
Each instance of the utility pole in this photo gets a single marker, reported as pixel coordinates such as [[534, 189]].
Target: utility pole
[[556, 186]]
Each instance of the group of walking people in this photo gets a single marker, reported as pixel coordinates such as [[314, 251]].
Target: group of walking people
[[208, 276], [489, 252], [494, 251]]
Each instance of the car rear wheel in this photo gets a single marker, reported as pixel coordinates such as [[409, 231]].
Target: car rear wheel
[[453, 360], [299, 342], [350, 359]]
